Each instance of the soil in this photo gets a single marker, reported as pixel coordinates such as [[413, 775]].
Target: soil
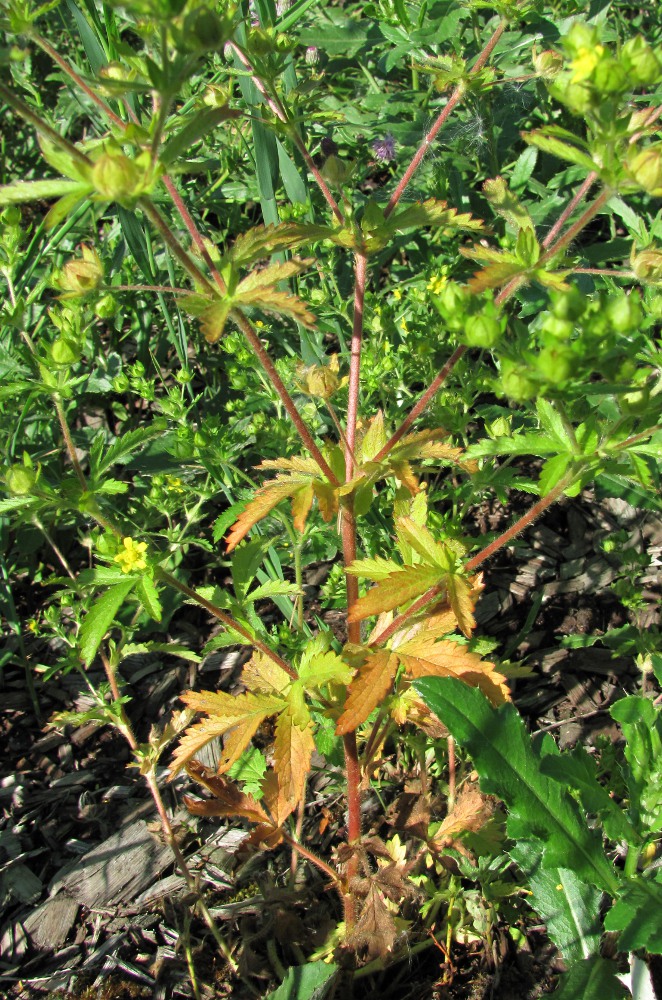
[[72, 928]]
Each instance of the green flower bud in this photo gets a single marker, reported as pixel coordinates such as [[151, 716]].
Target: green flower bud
[[11, 216], [516, 383], [83, 275], [120, 383], [64, 352], [646, 169], [547, 64], [334, 171], [20, 480], [642, 63], [569, 304], [481, 331], [624, 312], [610, 77], [577, 97], [554, 364], [117, 178], [204, 30], [647, 266], [106, 307], [559, 329], [451, 304]]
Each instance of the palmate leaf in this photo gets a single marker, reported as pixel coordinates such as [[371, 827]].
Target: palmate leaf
[[293, 749], [430, 213], [262, 241], [268, 497], [228, 799], [271, 275], [261, 674], [368, 689], [424, 656], [241, 715], [399, 587], [509, 766], [272, 300]]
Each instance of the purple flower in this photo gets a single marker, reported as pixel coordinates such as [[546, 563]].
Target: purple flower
[[384, 149]]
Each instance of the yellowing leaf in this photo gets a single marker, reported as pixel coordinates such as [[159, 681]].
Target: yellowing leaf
[[396, 589], [327, 499], [266, 498], [368, 689], [297, 463], [281, 303], [242, 713], [263, 675], [461, 599], [422, 542], [293, 748], [374, 438], [302, 501], [324, 668], [403, 471], [373, 569], [422, 657], [271, 275]]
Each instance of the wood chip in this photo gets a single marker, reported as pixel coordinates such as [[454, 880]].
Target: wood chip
[[48, 925]]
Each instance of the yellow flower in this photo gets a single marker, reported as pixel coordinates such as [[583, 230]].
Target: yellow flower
[[585, 62], [131, 557], [436, 283], [397, 294], [174, 485]]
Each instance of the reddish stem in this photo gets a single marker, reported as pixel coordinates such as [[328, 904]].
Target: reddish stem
[[416, 410], [567, 212], [523, 522], [287, 401], [78, 80], [576, 228], [227, 620], [455, 97], [193, 230], [296, 138], [360, 272]]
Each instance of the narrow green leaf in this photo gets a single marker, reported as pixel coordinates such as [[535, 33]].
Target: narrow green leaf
[[564, 151], [100, 617], [21, 191], [200, 123], [149, 598], [509, 766]]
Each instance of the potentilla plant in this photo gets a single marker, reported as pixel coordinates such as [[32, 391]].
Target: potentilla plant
[[555, 318]]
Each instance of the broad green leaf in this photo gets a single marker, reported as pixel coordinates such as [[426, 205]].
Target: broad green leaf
[[305, 982], [195, 129], [123, 447], [636, 914], [509, 766], [149, 597], [270, 589], [579, 771], [100, 617], [569, 908], [592, 979]]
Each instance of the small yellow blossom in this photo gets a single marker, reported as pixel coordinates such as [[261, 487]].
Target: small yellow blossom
[[174, 484], [397, 294], [585, 62], [403, 325], [131, 557], [436, 283]]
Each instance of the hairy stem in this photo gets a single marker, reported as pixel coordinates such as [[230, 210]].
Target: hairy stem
[[360, 273], [582, 191], [173, 244], [420, 406], [68, 440], [42, 127], [226, 619], [287, 401], [429, 138], [568, 236], [93, 95]]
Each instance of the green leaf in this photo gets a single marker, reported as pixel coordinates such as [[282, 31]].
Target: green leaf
[[509, 766], [320, 666], [636, 914], [579, 771], [125, 446], [20, 191], [149, 598], [100, 617], [564, 151], [593, 979], [305, 982], [570, 908], [195, 129]]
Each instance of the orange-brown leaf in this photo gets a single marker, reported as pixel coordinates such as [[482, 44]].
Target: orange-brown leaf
[[369, 687], [194, 739], [396, 589], [404, 472], [228, 799], [293, 749], [375, 929], [471, 811], [422, 657], [264, 501], [327, 499]]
